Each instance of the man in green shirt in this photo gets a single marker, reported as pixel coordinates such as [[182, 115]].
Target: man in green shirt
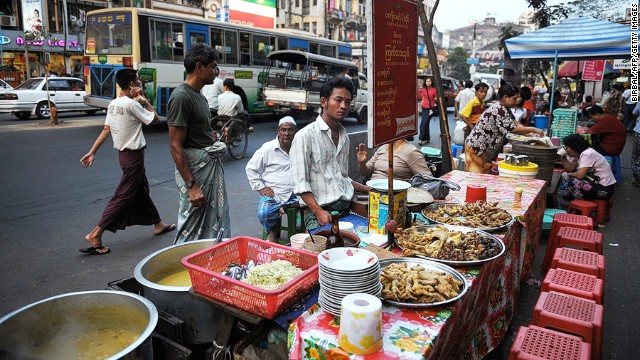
[[204, 208]]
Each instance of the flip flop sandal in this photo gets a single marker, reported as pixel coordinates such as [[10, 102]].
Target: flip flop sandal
[[94, 250], [166, 229]]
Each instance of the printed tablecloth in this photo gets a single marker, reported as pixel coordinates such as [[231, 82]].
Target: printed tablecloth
[[471, 327]]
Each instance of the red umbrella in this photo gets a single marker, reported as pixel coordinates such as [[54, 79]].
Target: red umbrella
[[570, 68]]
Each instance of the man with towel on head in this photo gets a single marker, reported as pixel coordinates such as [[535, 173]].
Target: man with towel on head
[[269, 173]]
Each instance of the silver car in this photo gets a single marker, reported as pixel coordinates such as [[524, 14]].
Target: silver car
[[65, 93]]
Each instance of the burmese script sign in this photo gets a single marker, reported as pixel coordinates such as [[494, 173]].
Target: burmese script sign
[[593, 70], [392, 28]]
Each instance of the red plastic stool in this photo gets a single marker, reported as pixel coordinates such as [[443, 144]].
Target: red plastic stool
[[533, 343], [603, 214], [573, 315], [585, 239], [560, 220], [574, 283], [583, 207], [585, 262]]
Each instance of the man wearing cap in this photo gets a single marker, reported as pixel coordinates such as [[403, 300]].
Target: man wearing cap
[[269, 173]]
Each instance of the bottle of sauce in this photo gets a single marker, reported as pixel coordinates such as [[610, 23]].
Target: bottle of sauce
[[335, 239]]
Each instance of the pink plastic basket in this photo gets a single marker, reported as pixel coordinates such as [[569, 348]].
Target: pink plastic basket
[[205, 269]]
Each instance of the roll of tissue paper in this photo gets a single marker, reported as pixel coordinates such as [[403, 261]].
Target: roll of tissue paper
[[360, 324]]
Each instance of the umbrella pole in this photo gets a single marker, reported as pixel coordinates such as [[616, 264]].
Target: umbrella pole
[[553, 90]]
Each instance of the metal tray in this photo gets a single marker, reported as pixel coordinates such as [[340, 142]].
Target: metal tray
[[464, 230], [435, 206], [428, 265]]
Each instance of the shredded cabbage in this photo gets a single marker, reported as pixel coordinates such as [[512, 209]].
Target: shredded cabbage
[[273, 275]]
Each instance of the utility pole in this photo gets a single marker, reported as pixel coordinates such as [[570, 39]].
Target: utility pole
[[65, 24], [472, 68]]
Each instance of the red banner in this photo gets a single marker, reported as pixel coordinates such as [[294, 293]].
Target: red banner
[[243, 18], [593, 70], [394, 33]]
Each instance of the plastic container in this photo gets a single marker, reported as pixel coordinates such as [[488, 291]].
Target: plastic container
[[205, 267], [528, 171], [297, 240], [542, 121]]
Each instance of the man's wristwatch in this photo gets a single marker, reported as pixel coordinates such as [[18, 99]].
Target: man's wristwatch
[[189, 184]]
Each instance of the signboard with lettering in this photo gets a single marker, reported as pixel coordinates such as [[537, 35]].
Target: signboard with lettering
[[593, 70], [392, 27], [622, 64]]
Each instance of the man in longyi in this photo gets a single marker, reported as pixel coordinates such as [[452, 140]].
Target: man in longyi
[[320, 157]]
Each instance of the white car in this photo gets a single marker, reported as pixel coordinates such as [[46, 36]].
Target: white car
[[4, 86], [65, 93]]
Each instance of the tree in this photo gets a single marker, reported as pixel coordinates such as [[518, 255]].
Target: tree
[[597, 9], [445, 138], [457, 61]]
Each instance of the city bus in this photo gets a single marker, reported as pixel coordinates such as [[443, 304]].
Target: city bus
[[154, 42]]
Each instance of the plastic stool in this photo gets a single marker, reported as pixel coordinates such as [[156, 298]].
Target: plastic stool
[[292, 220], [585, 239], [583, 207], [573, 315], [574, 283], [603, 213], [616, 167], [533, 342], [560, 220], [456, 149], [548, 217], [585, 262]]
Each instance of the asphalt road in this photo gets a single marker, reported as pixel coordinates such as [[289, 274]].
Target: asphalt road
[[49, 202]]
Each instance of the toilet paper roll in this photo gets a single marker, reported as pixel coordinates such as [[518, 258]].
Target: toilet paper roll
[[346, 226], [360, 324]]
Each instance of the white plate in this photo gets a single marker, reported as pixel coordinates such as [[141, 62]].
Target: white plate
[[349, 276], [349, 285], [383, 185], [373, 289], [347, 259]]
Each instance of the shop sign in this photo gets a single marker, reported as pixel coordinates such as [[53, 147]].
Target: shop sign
[[593, 70], [50, 42], [102, 59], [243, 74], [393, 28], [622, 64], [32, 19], [4, 40]]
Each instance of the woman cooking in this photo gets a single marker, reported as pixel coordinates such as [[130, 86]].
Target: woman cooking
[[587, 173], [485, 141]]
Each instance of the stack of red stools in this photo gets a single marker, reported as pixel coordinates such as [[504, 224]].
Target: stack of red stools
[[567, 319]]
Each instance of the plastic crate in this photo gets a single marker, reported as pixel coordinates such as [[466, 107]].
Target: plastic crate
[[565, 122], [205, 267]]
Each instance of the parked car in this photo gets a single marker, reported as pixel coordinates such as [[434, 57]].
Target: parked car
[[30, 97], [449, 85], [4, 86]]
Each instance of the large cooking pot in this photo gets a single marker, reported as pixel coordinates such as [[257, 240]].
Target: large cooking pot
[[198, 316], [81, 325]]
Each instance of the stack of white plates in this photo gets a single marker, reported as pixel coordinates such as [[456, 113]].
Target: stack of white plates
[[345, 271]]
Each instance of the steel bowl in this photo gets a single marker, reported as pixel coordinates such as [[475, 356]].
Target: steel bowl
[[435, 207], [62, 327]]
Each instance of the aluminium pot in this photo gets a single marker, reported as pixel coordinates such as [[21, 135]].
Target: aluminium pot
[[199, 317], [81, 325]]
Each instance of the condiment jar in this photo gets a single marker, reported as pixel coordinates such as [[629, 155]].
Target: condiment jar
[[517, 196]]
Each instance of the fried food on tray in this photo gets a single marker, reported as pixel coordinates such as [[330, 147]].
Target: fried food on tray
[[415, 284], [442, 243], [477, 215]]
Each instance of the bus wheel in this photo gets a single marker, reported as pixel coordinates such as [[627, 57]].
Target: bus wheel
[[42, 110], [22, 115], [362, 117]]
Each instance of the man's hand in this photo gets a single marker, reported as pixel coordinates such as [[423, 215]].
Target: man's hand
[[323, 216], [267, 191], [87, 160], [362, 153], [196, 196]]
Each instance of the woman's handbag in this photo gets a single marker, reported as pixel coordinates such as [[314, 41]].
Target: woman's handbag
[[433, 110], [438, 188]]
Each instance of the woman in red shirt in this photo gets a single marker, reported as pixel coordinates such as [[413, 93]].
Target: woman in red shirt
[[428, 104]]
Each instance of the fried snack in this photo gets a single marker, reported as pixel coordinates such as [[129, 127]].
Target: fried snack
[[415, 284], [442, 243], [477, 215]]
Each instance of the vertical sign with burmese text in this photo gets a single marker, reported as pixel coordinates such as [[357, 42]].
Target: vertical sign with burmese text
[[392, 31]]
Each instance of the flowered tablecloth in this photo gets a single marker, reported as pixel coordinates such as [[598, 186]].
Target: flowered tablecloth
[[475, 324]]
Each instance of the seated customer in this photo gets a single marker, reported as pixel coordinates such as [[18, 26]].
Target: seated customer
[[407, 161], [608, 134], [588, 174], [269, 173], [229, 104]]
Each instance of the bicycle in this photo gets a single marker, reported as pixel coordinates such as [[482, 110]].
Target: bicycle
[[234, 132]]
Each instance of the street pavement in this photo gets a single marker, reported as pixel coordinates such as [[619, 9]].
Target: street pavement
[[48, 202]]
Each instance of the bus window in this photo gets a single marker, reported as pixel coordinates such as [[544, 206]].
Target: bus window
[[217, 44], [178, 42], [245, 49], [283, 43], [230, 47], [313, 48], [197, 38], [261, 46], [327, 50], [109, 34], [344, 52], [161, 48]]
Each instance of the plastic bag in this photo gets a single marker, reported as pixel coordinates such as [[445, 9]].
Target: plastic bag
[[438, 188], [458, 133]]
